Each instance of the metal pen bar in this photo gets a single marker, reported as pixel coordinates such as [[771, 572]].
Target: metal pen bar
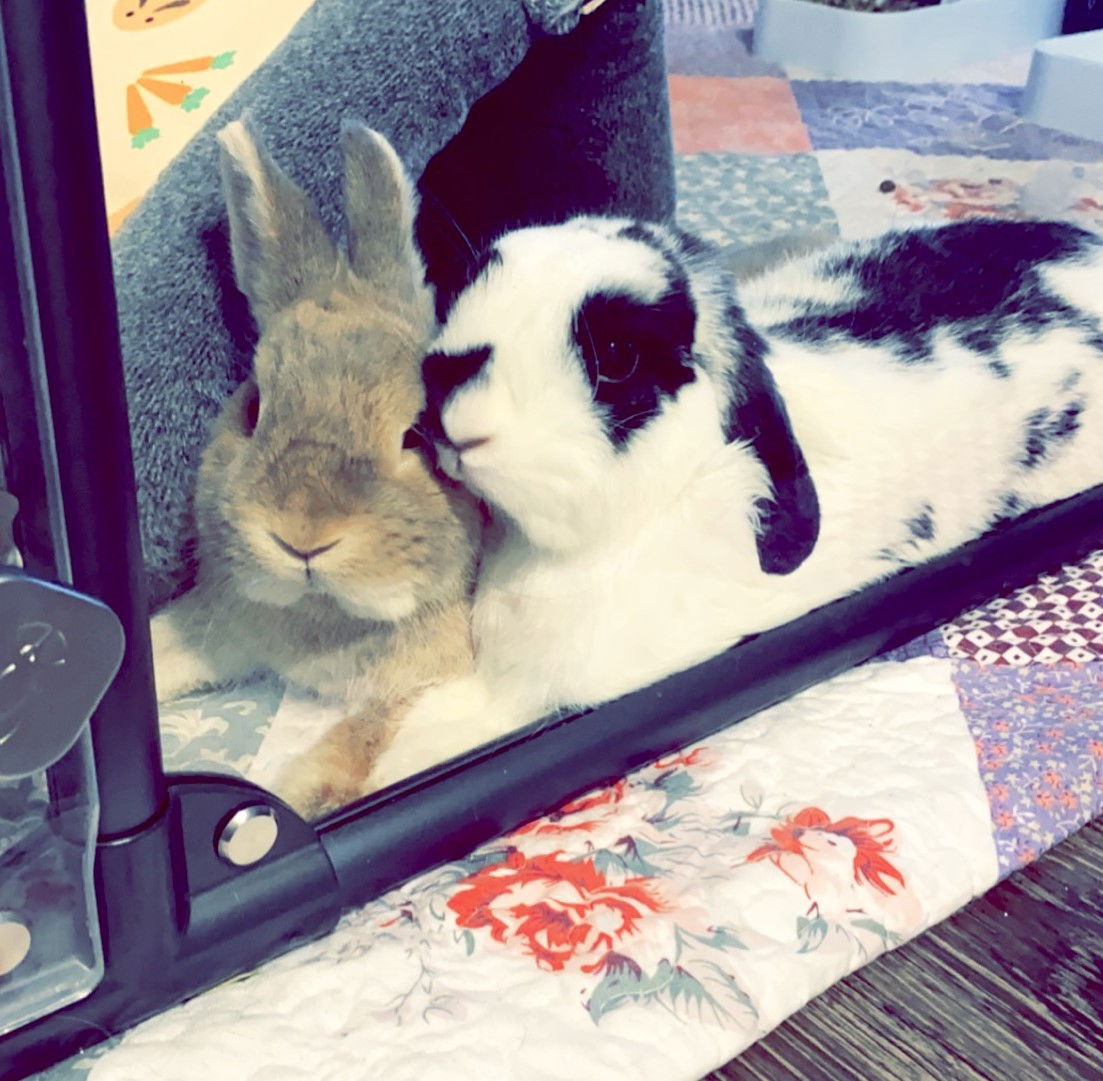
[[75, 364]]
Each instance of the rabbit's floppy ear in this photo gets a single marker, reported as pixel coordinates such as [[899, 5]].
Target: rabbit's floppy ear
[[380, 205], [280, 246], [788, 524]]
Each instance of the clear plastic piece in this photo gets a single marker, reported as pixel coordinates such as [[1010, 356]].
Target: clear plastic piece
[[50, 949]]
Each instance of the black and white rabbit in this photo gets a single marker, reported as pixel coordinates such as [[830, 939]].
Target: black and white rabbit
[[674, 463]]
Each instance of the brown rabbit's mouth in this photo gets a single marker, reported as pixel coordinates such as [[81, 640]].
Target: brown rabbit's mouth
[[275, 591], [382, 603], [289, 575], [377, 603]]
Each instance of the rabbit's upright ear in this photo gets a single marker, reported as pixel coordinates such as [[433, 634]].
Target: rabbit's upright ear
[[280, 247], [380, 205]]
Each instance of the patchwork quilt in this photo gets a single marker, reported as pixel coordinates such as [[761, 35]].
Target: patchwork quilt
[[654, 928]]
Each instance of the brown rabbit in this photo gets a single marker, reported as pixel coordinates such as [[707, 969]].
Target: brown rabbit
[[328, 550]]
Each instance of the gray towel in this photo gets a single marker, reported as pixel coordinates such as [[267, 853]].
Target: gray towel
[[585, 128]]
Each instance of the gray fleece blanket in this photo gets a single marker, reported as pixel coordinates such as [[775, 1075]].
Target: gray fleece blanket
[[514, 113]]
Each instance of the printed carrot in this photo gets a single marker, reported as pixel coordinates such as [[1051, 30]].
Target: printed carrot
[[173, 93], [138, 116], [202, 63]]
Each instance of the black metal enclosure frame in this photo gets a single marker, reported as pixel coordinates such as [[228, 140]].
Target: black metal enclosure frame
[[176, 918]]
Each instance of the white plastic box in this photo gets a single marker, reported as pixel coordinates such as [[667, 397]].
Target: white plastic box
[[904, 45], [1065, 88]]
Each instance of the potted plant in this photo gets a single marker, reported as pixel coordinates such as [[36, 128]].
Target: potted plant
[[898, 39]]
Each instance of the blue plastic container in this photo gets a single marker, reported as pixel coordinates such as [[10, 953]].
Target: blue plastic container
[[1065, 87], [905, 45]]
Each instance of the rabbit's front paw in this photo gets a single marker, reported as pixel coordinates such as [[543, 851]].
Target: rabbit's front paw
[[182, 666], [335, 770], [177, 666], [311, 791]]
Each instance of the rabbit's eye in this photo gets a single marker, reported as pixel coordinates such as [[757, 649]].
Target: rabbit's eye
[[250, 410], [618, 361]]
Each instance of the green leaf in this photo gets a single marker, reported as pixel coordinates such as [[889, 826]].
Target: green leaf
[[622, 982], [223, 60], [480, 859], [676, 784], [811, 932], [634, 856], [627, 856], [719, 938], [146, 135], [604, 861], [194, 99], [682, 986], [678, 988], [888, 938], [731, 986]]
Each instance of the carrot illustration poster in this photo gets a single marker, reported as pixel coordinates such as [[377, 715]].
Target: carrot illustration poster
[[161, 68]]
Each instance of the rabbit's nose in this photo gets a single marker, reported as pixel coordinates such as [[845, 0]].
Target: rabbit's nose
[[299, 553]]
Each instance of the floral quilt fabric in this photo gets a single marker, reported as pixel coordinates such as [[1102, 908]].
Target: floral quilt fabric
[[650, 929], [654, 928]]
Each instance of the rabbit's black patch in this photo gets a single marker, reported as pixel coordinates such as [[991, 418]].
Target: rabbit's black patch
[[443, 374], [1011, 506], [789, 524], [751, 346], [977, 279], [921, 526], [466, 273], [690, 245], [978, 338], [635, 354], [1048, 429], [675, 245], [643, 234]]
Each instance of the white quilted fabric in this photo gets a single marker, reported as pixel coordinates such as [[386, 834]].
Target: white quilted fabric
[[650, 930]]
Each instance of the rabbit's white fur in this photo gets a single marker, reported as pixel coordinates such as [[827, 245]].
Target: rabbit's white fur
[[629, 547]]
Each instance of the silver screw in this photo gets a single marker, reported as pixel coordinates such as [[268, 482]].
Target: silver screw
[[249, 835], [15, 942]]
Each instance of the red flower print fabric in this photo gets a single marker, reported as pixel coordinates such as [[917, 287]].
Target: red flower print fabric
[[561, 912]]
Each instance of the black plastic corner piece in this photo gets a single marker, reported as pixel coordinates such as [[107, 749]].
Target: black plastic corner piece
[[178, 916]]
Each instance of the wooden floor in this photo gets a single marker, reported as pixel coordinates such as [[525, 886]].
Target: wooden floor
[[1009, 989]]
